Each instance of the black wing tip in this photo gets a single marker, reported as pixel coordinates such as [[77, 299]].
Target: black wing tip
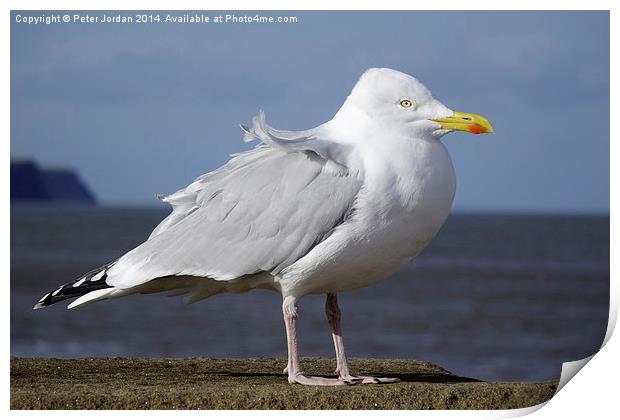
[[43, 302], [83, 285]]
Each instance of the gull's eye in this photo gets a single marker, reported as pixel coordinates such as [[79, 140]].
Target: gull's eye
[[406, 103]]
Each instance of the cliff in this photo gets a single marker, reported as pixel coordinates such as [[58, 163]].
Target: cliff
[[29, 183]]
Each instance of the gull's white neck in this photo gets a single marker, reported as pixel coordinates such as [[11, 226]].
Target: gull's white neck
[[414, 173]]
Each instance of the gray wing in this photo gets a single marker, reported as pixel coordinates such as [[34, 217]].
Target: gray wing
[[261, 212]]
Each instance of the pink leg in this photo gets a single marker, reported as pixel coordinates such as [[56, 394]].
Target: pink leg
[[342, 367], [295, 375]]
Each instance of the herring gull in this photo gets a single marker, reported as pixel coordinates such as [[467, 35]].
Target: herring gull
[[333, 208]]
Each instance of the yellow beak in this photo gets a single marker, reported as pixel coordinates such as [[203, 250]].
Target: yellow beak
[[463, 121]]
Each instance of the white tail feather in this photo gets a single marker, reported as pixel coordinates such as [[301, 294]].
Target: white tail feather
[[93, 296]]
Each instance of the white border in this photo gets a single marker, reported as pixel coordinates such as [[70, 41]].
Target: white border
[[308, 5], [593, 394]]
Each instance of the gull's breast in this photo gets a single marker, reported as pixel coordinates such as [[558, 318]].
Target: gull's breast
[[404, 202], [408, 199]]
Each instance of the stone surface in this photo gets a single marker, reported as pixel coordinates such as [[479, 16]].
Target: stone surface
[[200, 383]]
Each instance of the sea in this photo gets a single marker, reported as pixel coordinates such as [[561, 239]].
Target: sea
[[496, 297]]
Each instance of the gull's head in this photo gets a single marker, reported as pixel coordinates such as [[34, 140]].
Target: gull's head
[[401, 102]]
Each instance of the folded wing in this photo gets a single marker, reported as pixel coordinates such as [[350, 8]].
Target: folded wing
[[261, 212]]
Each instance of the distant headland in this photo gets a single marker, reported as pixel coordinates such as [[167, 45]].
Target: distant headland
[[33, 184]]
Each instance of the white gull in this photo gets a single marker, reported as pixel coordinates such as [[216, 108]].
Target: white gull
[[334, 208]]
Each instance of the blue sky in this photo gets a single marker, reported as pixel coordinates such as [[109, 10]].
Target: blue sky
[[140, 109]]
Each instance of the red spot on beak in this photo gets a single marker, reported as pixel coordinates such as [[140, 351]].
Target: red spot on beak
[[475, 129]]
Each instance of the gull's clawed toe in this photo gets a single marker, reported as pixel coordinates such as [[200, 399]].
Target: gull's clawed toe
[[317, 381], [369, 380]]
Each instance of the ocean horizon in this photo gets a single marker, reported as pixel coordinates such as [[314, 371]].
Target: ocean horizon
[[495, 296]]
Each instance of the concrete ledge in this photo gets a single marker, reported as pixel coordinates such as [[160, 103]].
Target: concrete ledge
[[200, 383]]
